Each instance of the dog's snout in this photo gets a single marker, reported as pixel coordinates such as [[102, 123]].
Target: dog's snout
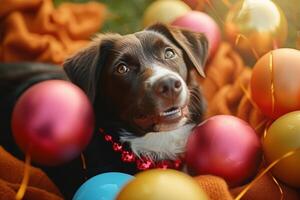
[[168, 87]]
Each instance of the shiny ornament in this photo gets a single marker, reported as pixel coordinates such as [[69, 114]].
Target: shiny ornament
[[201, 22], [160, 184], [224, 146], [53, 122], [282, 137], [164, 11], [261, 23], [275, 83], [103, 186]]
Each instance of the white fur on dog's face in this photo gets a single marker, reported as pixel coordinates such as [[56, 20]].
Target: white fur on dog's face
[[160, 145], [170, 139], [181, 102]]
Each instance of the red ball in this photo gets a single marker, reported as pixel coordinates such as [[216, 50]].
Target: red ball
[[224, 146], [53, 122], [201, 22]]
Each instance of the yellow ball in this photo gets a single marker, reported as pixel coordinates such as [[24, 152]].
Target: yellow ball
[[164, 11], [282, 137], [261, 22], [159, 184]]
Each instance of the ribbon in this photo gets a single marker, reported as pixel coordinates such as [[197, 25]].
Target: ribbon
[[25, 180]]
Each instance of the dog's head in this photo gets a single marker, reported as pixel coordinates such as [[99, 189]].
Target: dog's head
[[145, 79]]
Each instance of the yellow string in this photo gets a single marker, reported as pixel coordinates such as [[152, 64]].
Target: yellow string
[[279, 188], [248, 96], [271, 67], [237, 40], [261, 124], [83, 161], [265, 132], [248, 187], [268, 124], [25, 180]]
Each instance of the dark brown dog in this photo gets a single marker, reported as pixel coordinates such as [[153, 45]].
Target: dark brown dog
[[143, 83], [144, 93]]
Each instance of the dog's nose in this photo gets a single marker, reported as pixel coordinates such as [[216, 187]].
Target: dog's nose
[[168, 87]]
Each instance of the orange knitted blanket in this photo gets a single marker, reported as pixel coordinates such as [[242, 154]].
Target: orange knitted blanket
[[34, 30], [11, 173]]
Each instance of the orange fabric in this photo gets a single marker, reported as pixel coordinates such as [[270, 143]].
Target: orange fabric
[[40, 187], [34, 30], [215, 187], [226, 76], [265, 189]]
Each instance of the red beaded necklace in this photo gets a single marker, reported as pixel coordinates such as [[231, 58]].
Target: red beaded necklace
[[142, 163]]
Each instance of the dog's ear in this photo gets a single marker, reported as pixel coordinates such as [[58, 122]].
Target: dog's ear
[[194, 45], [84, 67]]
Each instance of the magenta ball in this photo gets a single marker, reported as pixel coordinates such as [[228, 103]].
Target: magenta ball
[[224, 146], [201, 22], [53, 121]]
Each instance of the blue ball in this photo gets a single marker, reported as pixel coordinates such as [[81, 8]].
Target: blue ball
[[102, 187]]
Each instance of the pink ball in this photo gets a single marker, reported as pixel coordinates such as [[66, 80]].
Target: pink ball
[[224, 146], [53, 121], [200, 22]]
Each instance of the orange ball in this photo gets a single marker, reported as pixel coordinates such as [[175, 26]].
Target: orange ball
[[275, 82]]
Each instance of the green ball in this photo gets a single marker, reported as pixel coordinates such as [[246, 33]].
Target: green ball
[[282, 137]]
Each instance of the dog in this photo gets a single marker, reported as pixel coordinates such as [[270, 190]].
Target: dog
[[145, 94], [145, 80]]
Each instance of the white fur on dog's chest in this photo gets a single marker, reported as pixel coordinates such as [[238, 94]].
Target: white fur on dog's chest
[[160, 145]]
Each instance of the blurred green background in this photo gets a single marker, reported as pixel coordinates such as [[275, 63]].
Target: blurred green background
[[126, 15]]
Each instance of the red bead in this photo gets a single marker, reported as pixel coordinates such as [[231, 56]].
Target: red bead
[[177, 164], [164, 164], [108, 138], [117, 147], [127, 156], [143, 164]]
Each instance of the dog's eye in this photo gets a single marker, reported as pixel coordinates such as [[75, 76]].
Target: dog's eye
[[122, 69], [169, 53]]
